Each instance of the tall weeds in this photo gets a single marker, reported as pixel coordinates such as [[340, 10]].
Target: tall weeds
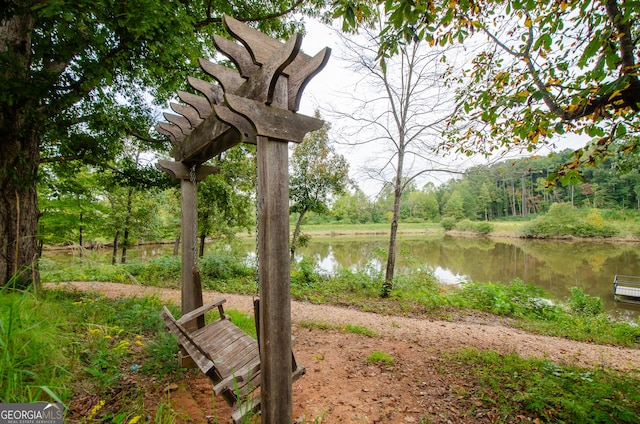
[[29, 329]]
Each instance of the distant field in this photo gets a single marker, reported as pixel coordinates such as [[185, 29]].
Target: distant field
[[625, 228], [335, 229]]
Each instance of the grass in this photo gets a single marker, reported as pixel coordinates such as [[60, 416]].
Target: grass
[[547, 391], [414, 294], [380, 358], [29, 327], [245, 322], [95, 340], [581, 317], [403, 227], [369, 228], [92, 345]]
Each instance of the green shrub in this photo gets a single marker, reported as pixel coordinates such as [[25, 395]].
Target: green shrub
[[221, 266], [448, 223], [594, 226], [466, 225], [516, 299], [304, 275], [484, 227], [565, 220], [583, 304], [161, 271]]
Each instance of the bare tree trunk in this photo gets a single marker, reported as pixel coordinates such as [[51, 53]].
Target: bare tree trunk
[[524, 209], [203, 237], [18, 162], [176, 246], [572, 195], [80, 241], [203, 234], [296, 234], [125, 244], [387, 285], [127, 223], [513, 199], [114, 254]]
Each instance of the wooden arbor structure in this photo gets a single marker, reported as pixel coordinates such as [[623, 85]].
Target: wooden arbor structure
[[255, 103]]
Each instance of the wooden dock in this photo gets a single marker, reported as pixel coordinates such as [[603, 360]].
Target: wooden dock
[[626, 288]]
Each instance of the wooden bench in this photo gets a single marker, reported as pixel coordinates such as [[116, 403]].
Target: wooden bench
[[226, 354], [626, 288]]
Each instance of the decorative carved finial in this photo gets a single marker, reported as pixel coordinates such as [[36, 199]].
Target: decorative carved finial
[[259, 98]]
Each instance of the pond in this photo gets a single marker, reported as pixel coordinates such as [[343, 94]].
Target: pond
[[555, 266]]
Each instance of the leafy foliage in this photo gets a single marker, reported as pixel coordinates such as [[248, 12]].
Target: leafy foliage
[[564, 220], [225, 199], [57, 337], [318, 173], [583, 304], [516, 299], [540, 69], [80, 78], [448, 223]]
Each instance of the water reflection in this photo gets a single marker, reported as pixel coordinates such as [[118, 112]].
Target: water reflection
[[555, 266]]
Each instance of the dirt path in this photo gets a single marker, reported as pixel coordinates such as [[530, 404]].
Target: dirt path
[[341, 387]]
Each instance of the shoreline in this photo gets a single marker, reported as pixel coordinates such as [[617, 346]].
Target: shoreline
[[410, 229]]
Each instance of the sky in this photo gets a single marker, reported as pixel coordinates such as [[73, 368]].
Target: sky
[[327, 90]]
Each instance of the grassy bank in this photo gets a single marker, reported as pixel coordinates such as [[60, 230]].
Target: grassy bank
[[338, 229], [561, 221], [106, 360], [580, 317]]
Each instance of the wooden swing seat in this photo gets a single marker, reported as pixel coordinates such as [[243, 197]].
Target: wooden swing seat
[[226, 354]]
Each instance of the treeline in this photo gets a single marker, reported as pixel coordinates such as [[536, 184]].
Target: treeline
[[509, 189], [90, 208]]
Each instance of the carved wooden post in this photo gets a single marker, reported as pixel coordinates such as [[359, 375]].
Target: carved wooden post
[[256, 104], [191, 286], [275, 297]]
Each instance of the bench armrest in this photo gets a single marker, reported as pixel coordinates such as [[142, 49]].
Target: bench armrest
[[186, 341], [203, 310]]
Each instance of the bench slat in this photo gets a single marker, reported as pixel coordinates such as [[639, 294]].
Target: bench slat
[[226, 354]]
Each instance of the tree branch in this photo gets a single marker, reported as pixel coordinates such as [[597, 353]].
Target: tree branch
[[145, 138], [214, 20]]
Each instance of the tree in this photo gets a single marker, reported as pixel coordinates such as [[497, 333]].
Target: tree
[[354, 208], [75, 78], [423, 204], [132, 185], [71, 208], [542, 68], [318, 173], [399, 108], [454, 207]]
